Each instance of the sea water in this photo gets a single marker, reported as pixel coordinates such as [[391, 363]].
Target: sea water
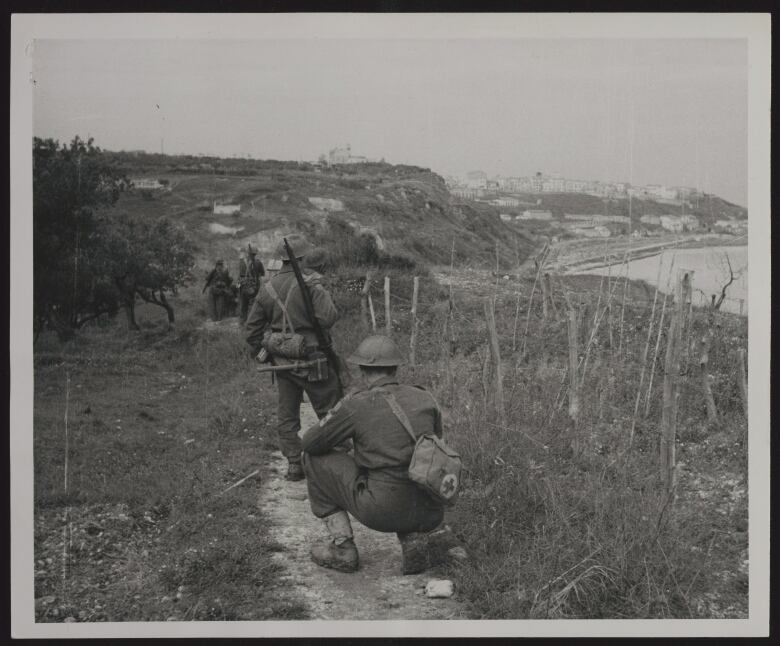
[[710, 268]]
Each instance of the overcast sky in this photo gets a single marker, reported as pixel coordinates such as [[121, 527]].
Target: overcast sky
[[645, 111]]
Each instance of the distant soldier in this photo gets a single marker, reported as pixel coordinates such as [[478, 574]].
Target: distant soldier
[[250, 271], [373, 484], [218, 282], [277, 320]]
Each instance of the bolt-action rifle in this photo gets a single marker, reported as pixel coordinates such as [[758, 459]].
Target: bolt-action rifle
[[296, 365], [326, 345]]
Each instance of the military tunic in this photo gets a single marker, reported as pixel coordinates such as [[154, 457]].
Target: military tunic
[[249, 273], [372, 484], [218, 283], [266, 314]]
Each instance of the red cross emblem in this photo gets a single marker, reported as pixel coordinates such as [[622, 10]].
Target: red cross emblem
[[448, 485]]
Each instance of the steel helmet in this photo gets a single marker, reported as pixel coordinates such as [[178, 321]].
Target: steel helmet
[[316, 258], [377, 350], [300, 246]]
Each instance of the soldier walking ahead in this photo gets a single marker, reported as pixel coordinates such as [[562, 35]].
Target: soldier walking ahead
[[218, 283], [277, 321], [250, 270]]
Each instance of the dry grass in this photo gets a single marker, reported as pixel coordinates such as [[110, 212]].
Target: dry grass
[[552, 533], [161, 424]]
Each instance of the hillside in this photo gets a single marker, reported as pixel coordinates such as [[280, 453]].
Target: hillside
[[407, 210], [708, 209]]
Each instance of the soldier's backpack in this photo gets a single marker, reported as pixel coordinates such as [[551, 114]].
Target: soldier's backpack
[[284, 344], [248, 280], [435, 466]]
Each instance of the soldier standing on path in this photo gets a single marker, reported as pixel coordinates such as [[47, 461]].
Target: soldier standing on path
[[218, 283], [373, 484], [250, 271], [279, 307]]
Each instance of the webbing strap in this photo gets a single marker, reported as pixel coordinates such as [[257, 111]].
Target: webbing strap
[[399, 413], [285, 316]]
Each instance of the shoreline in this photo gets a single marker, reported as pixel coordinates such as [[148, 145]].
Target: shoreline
[[618, 256]]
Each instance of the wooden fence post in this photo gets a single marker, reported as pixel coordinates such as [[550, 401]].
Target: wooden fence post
[[669, 414], [712, 411], [364, 301], [496, 358], [413, 340], [373, 315], [743, 387], [388, 320], [574, 394], [545, 296], [550, 295]]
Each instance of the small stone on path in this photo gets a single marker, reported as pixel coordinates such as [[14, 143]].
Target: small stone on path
[[439, 589]]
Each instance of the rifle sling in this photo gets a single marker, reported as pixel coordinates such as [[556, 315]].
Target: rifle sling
[[399, 413]]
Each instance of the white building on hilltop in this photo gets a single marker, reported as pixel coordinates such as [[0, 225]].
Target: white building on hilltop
[[344, 156], [227, 209], [147, 183]]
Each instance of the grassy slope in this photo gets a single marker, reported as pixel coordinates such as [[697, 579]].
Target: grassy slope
[[533, 511], [158, 426], [708, 209], [409, 208]]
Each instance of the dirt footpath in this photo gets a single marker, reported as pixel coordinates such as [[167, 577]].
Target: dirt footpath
[[376, 591]]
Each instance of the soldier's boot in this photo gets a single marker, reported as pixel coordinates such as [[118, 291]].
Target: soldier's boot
[[338, 552], [295, 471], [423, 550]]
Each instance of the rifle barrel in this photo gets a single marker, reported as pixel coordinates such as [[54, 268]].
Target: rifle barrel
[[290, 366]]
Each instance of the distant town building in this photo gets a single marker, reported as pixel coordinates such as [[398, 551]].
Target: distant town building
[[506, 217], [553, 185], [147, 183], [506, 201], [534, 214], [467, 193], [591, 232], [732, 225], [226, 209], [650, 219], [476, 179], [690, 222], [575, 186], [593, 220], [672, 223]]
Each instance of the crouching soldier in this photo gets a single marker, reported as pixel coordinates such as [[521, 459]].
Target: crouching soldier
[[279, 311], [374, 485]]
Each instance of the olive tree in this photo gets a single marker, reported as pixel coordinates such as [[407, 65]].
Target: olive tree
[[70, 182], [146, 259]]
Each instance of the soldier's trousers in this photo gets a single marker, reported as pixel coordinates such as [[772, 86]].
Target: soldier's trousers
[[323, 396], [382, 503], [217, 305], [246, 304]]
